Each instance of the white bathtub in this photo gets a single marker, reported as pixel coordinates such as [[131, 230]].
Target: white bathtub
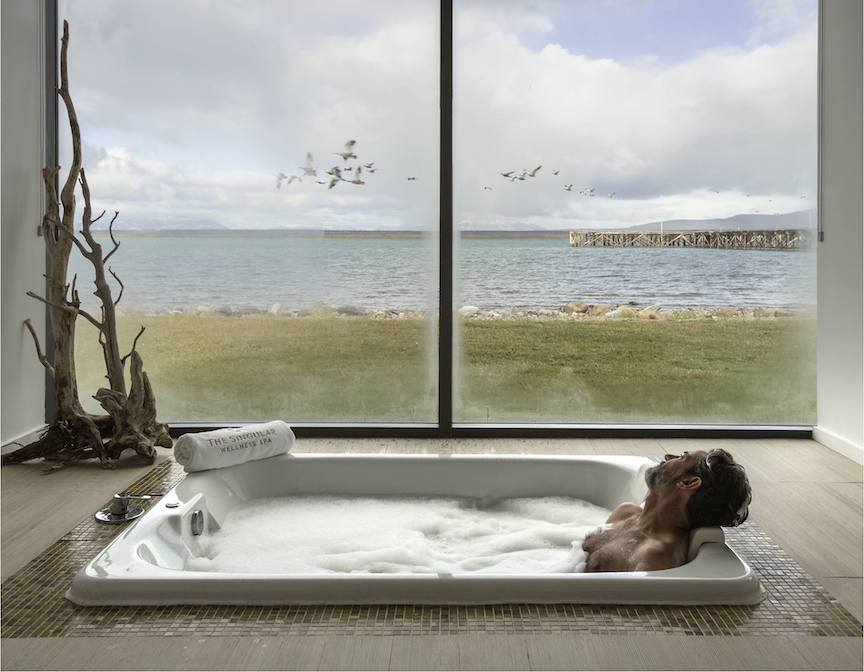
[[144, 564]]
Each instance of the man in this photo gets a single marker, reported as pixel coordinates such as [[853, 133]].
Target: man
[[686, 491]]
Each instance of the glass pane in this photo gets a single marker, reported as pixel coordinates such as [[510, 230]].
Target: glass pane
[[677, 140], [280, 270]]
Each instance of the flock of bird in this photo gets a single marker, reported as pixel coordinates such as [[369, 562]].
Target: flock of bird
[[336, 174], [512, 175], [590, 192]]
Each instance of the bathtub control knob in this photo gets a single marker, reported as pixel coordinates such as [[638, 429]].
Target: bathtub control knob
[[197, 520]]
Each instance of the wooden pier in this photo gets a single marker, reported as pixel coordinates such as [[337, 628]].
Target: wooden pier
[[781, 239]]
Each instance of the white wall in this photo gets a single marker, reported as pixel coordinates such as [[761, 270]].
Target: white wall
[[22, 397], [840, 340]]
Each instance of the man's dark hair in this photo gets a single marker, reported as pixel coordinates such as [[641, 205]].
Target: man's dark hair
[[724, 496]]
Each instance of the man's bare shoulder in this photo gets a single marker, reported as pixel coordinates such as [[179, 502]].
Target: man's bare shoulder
[[654, 554], [624, 511]]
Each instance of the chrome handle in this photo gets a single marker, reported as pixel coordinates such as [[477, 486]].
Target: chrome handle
[[120, 502]]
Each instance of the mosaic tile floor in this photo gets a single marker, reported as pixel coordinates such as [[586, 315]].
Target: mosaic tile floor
[[34, 606]]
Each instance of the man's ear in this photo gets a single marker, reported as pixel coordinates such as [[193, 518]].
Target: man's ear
[[689, 482]]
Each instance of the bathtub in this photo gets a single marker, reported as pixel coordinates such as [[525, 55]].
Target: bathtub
[[144, 565]]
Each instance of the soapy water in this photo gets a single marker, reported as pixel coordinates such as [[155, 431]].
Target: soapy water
[[325, 534]]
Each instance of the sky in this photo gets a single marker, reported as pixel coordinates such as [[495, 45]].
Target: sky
[[685, 109]]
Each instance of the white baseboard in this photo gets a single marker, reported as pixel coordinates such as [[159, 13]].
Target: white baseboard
[[23, 439], [839, 444]]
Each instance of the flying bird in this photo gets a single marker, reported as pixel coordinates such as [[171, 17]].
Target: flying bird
[[555, 172], [369, 165], [309, 169], [295, 178], [357, 179], [487, 188], [411, 178], [611, 194], [280, 177], [534, 172], [508, 173], [335, 176], [349, 151], [568, 187]]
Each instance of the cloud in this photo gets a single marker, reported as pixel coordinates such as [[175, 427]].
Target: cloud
[[190, 117]]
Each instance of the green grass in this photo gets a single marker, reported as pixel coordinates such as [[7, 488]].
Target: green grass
[[259, 367]]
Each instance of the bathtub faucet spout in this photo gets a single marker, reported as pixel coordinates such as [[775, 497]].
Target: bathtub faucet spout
[[120, 502]]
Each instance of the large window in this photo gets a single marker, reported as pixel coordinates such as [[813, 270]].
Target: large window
[[624, 176], [664, 118], [275, 165]]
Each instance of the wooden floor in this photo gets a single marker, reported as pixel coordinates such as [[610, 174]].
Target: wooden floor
[[806, 497]]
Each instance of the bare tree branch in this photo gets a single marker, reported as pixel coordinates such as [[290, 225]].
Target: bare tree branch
[[122, 286], [67, 195], [75, 434], [67, 307], [71, 308], [134, 344], [51, 218], [87, 316], [71, 235], [39, 353], [113, 239]]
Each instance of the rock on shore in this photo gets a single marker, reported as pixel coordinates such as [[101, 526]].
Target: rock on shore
[[572, 311]]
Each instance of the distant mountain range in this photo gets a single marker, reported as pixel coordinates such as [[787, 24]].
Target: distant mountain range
[[803, 219]]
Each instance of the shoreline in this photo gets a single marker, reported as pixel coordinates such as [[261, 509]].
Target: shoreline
[[572, 311]]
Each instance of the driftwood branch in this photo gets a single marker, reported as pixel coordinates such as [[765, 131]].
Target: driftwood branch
[[67, 195], [59, 306], [51, 219], [131, 420], [134, 343], [120, 282], [113, 239], [39, 353], [69, 307]]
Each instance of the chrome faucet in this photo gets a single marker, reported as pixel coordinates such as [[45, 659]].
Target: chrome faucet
[[120, 510], [120, 503]]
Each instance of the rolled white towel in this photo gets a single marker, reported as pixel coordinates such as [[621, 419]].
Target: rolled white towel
[[226, 447]]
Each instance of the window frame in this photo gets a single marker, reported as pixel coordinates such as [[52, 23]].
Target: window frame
[[445, 428]]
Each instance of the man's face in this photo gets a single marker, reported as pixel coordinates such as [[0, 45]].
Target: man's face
[[672, 468]]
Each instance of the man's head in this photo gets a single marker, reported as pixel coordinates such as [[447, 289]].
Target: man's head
[[712, 487]]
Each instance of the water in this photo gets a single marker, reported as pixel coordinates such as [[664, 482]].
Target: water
[[253, 274]]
